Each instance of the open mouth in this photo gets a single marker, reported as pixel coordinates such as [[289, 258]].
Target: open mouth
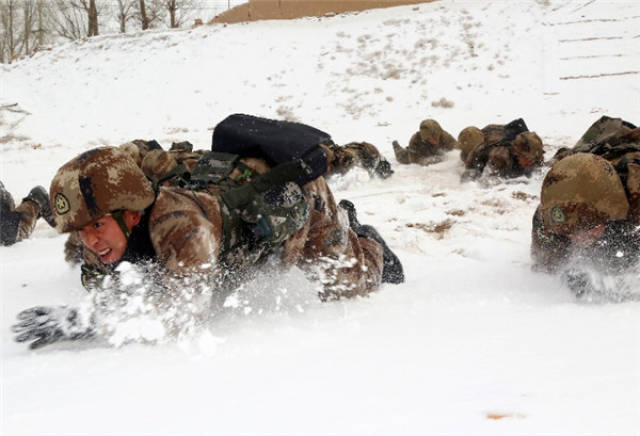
[[104, 253]]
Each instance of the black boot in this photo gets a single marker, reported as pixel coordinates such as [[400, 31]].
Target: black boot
[[9, 219], [40, 197], [392, 271]]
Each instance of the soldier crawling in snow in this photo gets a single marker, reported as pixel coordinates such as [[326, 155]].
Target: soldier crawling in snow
[[231, 214], [165, 168], [590, 204], [17, 223], [509, 150], [426, 146]]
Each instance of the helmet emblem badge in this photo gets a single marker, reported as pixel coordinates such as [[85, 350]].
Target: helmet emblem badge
[[557, 215], [61, 203]]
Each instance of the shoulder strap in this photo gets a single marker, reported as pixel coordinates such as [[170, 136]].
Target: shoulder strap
[[180, 172], [281, 174]]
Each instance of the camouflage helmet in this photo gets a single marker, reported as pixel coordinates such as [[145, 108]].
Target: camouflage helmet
[[527, 147], [95, 183], [138, 148], [581, 191], [604, 129], [157, 164], [133, 150], [430, 131], [468, 139]]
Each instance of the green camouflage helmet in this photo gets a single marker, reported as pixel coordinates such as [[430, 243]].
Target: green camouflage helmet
[[95, 183], [430, 131], [581, 191]]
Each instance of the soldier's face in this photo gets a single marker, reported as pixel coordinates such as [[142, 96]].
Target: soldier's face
[[104, 236], [585, 238], [524, 162]]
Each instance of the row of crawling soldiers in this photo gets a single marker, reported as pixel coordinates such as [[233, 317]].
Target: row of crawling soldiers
[[139, 212], [18, 222], [589, 211], [506, 150], [209, 219]]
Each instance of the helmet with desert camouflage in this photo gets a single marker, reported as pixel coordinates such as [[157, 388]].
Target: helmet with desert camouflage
[[582, 191], [95, 183], [468, 139], [430, 131]]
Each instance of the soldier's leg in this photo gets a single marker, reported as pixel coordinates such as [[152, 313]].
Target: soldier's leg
[[40, 197], [349, 265], [9, 218], [392, 271], [18, 224], [28, 212], [369, 157], [402, 154]]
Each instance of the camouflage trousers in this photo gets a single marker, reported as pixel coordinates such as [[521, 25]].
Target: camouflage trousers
[[18, 224]]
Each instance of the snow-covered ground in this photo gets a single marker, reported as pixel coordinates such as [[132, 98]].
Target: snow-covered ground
[[473, 343]]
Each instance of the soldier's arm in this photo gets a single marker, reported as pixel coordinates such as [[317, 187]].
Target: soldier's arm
[[402, 154], [448, 141], [186, 230]]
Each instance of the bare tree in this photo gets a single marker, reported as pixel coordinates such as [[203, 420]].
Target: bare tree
[[43, 31], [76, 19], [92, 15], [125, 12], [29, 31], [9, 37], [149, 12], [179, 11]]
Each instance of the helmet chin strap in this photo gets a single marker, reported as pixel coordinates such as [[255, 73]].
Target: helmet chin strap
[[119, 217]]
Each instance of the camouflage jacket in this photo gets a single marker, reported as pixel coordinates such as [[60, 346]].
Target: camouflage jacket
[[509, 150], [424, 152]]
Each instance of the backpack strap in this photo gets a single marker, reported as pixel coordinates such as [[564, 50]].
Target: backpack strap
[[180, 172], [281, 174]]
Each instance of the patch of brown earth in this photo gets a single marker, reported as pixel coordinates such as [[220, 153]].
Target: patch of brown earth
[[288, 9], [439, 229], [519, 195]]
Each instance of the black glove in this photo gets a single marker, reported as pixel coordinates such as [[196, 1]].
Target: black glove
[[91, 277], [577, 281], [46, 325]]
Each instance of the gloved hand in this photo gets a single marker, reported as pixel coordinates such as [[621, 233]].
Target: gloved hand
[[92, 278], [577, 281], [46, 325]]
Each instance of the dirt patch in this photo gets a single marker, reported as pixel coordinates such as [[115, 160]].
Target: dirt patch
[[519, 195], [499, 415], [439, 229], [12, 138], [456, 212], [288, 9]]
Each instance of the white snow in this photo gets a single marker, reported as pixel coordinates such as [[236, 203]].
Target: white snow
[[473, 343]]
